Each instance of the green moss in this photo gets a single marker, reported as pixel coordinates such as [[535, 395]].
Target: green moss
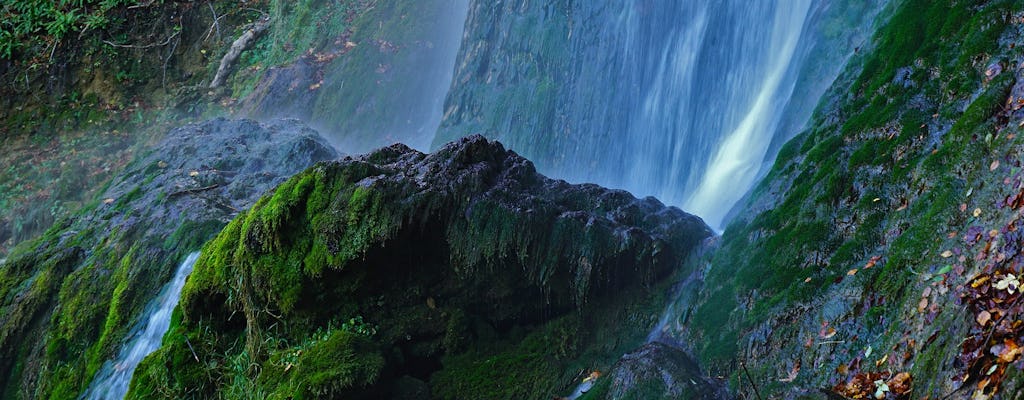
[[325, 365], [879, 181], [524, 370], [460, 277]]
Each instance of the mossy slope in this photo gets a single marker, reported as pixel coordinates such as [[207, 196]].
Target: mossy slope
[[68, 299], [835, 263], [464, 268]]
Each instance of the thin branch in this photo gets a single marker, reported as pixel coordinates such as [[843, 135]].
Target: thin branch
[[148, 3], [190, 348], [163, 80], [193, 190], [216, 23], [751, 380], [132, 46]]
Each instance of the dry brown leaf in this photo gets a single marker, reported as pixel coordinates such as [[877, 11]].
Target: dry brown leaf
[[922, 305], [843, 369], [983, 318], [994, 165], [108, 200], [793, 372], [851, 272]]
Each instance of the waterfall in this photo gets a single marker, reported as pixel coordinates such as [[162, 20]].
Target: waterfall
[[111, 382], [686, 101], [705, 120]]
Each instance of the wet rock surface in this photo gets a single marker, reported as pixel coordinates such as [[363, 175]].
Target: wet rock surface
[[69, 297], [660, 371], [467, 270]]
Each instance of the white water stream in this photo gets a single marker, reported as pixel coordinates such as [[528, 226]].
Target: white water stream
[[111, 382]]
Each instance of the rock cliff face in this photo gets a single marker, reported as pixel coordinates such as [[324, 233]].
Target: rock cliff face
[[874, 249], [459, 274], [68, 298]]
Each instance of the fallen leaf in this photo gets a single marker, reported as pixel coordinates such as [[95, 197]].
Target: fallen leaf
[[793, 372], [922, 305], [843, 369], [851, 272], [829, 334], [947, 254], [808, 280], [994, 165], [881, 389], [108, 200], [977, 212], [983, 318], [1007, 352], [1009, 283]]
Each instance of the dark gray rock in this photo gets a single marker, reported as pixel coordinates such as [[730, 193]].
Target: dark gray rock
[[659, 371]]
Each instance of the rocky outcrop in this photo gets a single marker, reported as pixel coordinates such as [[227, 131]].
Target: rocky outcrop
[[68, 298], [658, 371], [465, 270]]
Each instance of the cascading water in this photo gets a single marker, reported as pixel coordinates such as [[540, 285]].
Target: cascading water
[[681, 100], [111, 382]]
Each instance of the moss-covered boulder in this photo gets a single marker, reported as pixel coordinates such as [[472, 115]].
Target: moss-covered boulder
[[657, 371], [459, 274], [69, 298]]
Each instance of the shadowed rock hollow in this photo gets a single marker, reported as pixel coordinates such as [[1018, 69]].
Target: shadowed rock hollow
[[459, 274]]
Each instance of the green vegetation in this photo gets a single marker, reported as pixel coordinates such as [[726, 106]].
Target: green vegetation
[[29, 25], [343, 262], [879, 187]]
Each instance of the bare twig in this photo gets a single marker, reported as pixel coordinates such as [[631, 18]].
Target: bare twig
[[751, 380], [193, 190], [216, 23], [190, 348], [132, 46], [241, 44], [163, 79], [148, 3]]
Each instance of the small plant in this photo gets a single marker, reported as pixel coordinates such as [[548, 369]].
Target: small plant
[[358, 326]]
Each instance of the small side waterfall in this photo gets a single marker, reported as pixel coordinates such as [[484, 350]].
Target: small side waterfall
[[111, 382]]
